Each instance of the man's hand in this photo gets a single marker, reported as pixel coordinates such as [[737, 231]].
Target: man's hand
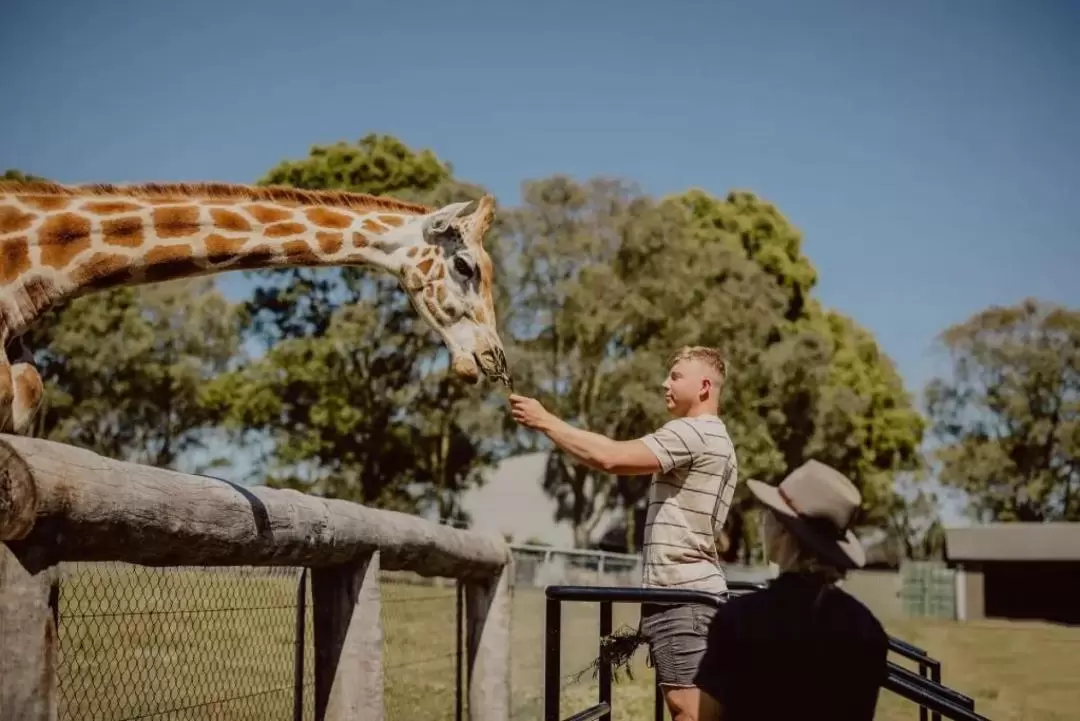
[[529, 412], [628, 458]]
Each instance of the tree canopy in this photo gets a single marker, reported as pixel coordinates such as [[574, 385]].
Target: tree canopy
[[353, 391], [597, 283], [1007, 420], [608, 282]]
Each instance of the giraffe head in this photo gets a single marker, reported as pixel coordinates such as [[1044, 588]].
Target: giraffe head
[[448, 276]]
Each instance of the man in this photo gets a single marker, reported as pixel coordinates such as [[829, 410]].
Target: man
[[695, 472], [802, 648]]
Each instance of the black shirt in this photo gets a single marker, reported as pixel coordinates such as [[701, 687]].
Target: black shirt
[[797, 649]]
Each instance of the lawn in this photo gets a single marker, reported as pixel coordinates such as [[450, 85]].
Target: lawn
[[190, 644]]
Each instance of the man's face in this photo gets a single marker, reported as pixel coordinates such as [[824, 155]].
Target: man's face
[[684, 386]]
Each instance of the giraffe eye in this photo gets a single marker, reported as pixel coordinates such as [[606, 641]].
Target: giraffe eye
[[463, 266]]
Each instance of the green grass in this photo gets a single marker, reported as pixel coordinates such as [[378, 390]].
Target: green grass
[[219, 644]]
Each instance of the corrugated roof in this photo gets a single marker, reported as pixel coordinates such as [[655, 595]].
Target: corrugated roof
[[1014, 542]]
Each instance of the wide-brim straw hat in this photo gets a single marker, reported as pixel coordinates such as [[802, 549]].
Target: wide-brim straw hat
[[817, 504]]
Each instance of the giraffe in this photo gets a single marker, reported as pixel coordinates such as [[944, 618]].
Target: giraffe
[[62, 241]]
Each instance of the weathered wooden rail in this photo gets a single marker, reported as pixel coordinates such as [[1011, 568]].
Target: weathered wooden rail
[[60, 503]]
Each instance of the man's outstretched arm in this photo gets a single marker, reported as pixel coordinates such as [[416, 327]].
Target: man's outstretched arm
[[624, 458], [627, 458]]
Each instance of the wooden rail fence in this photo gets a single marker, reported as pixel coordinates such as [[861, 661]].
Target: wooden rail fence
[[60, 503]]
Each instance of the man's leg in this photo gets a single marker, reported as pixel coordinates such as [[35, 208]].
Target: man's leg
[[677, 637]]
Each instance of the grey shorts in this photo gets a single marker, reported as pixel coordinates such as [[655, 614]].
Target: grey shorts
[[677, 636]]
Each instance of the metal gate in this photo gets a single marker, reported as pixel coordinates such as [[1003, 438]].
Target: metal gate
[[924, 687]]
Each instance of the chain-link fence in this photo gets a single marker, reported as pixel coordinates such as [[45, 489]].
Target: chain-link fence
[[234, 644], [180, 643]]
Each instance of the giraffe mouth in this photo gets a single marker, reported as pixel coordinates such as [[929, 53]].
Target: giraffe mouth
[[494, 366]]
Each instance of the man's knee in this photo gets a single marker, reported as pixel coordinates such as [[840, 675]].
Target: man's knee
[[690, 704]]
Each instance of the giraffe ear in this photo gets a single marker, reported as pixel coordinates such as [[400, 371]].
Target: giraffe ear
[[439, 221]]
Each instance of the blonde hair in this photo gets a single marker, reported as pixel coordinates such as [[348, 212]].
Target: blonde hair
[[711, 357]]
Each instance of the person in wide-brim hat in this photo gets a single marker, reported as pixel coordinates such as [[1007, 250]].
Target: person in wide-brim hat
[[802, 633], [817, 504]]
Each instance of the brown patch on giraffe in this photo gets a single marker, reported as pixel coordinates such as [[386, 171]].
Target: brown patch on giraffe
[[326, 218], [41, 293], [330, 242], [228, 192], [164, 254], [44, 202], [62, 237], [7, 390], [440, 272], [103, 270], [220, 248], [261, 256], [413, 280], [481, 316], [429, 301], [283, 230], [110, 207], [411, 252], [359, 240], [267, 214], [440, 293], [299, 252], [14, 258], [229, 220], [27, 387], [127, 232], [168, 262], [173, 269], [178, 222], [13, 220], [392, 220], [372, 227], [425, 266]]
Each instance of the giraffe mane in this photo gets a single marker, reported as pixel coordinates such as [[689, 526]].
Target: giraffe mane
[[218, 191]]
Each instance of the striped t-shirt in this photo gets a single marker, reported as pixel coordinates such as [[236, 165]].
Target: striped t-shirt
[[688, 504]]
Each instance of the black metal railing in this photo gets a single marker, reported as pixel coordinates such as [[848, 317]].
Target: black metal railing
[[924, 688]]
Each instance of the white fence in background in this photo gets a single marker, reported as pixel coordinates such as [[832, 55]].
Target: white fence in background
[[540, 566]]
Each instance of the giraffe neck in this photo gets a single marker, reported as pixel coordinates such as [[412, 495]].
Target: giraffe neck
[[62, 244]]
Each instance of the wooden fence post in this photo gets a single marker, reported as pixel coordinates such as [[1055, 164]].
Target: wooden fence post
[[488, 609], [28, 641], [348, 641]]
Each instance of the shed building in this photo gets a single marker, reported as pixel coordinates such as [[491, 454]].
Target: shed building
[[1017, 571]]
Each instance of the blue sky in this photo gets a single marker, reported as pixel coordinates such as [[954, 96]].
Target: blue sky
[[927, 150]]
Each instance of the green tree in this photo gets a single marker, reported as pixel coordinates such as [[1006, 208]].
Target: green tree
[[1008, 419], [609, 282], [353, 392], [13, 174], [123, 369]]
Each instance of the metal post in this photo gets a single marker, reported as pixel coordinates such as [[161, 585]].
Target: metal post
[[935, 676], [457, 651], [551, 659], [298, 658], [605, 665], [922, 709]]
